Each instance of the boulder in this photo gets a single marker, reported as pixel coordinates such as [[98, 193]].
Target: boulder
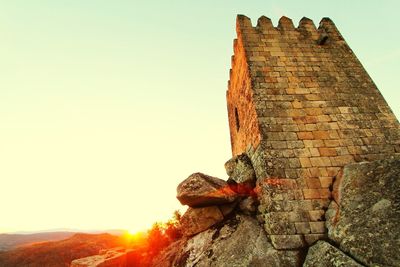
[[200, 190], [107, 258], [242, 176], [196, 220], [365, 218], [323, 254], [239, 242]]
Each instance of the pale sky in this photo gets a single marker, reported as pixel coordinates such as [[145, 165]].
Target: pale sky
[[105, 106]]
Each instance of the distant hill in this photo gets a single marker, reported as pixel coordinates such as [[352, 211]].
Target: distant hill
[[11, 241], [14, 240], [59, 253]]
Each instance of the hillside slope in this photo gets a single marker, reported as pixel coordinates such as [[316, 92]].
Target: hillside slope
[[59, 253], [11, 241]]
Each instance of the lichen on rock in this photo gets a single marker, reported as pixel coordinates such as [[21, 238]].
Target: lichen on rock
[[365, 223]]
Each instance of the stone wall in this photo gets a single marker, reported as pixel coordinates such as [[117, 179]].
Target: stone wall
[[302, 106], [242, 115]]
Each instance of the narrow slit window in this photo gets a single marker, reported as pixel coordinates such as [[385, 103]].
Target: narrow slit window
[[237, 120]]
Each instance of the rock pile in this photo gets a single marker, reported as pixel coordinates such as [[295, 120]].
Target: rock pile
[[219, 227], [211, 200]]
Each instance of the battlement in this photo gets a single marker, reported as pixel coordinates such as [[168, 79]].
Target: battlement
[[326, 30], [302, 106]]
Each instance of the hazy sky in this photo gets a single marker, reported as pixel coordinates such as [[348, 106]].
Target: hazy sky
[[105, 106]]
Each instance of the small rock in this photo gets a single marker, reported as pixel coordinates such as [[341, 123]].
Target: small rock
[[241, 173], [200, 190]]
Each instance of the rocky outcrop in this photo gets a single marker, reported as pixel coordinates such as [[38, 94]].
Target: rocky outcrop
[[322, 254], [200, 190], [364, 219], [240, 241], [116, 257], [217, 234]]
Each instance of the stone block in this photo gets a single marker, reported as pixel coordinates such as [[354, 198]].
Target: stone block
[[305, 135], [305, 162], [320, 162], [313, 183], [326, 151], [320, 135], [314, 152], [278, 223], [311, 193], [326, 182], [318, 227], [342, 160], [287, 241], [302, 227], [316, 215]]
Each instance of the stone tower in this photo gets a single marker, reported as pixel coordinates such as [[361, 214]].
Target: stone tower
[[302, 106]]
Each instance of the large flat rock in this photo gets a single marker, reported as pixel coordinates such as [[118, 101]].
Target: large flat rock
[[199, 190], [107, 258], [323, 254], [365, 218]]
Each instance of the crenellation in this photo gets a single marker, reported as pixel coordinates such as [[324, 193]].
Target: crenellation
[[285, 24], [328, 27], [264, 25]]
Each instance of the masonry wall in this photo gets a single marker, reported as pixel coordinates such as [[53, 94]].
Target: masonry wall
[[316, 109], [243, 121]]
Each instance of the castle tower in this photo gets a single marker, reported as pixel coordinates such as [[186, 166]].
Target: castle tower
[[302, 106]]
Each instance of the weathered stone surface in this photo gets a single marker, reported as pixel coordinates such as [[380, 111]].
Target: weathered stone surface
[[107, 258], [287, 241], [240, 242], [241, 171], [366, 220], [171, 255], [227, 209], [200, 190], [196, 220], [248, 205], [322, 254]]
